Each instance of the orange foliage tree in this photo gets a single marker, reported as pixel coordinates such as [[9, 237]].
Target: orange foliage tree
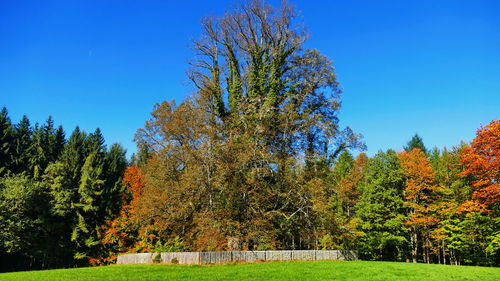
[[422, 199], [348, 186], [482, 163], [121, 233]]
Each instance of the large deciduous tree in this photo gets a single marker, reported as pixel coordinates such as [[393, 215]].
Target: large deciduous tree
[[225, 164], [482, 162], [422, 198]]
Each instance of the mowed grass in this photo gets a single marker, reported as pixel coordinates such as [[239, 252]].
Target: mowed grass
[[294, 270]]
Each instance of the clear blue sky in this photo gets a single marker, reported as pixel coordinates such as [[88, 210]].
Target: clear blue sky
[[427, 67]]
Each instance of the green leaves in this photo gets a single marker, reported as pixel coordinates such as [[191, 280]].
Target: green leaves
[[381, 208]]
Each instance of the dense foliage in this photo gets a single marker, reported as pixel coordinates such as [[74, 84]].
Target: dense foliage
[[255, 159], [55, 194]]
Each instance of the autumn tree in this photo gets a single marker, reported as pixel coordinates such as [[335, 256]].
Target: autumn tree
[[348, 187], [121, 234], [482, 162], [424, 200], [482, 167], [337, 217], [225, 164], [449, 237]]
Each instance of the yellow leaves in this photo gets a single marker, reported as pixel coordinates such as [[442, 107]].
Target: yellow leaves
[[416, 166], [471, 206]]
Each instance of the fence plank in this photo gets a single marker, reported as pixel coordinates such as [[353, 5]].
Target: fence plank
[[249, 255], [223, 257], [182, 257], [306, 255], [278, 255]]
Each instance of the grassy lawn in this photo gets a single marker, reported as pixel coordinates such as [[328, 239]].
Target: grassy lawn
[[296, 270]]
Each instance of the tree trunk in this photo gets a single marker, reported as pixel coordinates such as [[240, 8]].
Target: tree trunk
[[444, 254], [414, 244]]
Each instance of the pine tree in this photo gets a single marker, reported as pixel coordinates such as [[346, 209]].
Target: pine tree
[[6, 142], [90, 191], [415, 142], [58, 140], [380, 209], [99, 193], [23, 142], [73, 156], [116, 163], [44, 148], [38, 152]]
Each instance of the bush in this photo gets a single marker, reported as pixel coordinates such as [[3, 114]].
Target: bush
[[157, 258]]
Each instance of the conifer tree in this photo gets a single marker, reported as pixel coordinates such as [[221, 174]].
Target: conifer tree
[[6, 142], [90, 191], [58, 142], [415, 142], [116, 163], [73, 156], [380, 209], [45, 147], [23, 143]]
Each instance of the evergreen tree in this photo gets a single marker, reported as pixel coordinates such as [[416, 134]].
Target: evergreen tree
[[23, 143], [99, 193], [380, 209], [63, 181], [42, 148], [415, 142], [116, 163], [48, 137], [95, 143], [58, 142], [55, 195], [6, 142], [90, 191], [73, 156]]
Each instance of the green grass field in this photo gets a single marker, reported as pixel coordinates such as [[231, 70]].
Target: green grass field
[[296, 270]]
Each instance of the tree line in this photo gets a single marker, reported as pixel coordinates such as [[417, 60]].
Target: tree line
[[55, 193], [255, 159]]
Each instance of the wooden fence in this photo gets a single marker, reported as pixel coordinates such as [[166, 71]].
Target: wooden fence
[[224, 257]]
